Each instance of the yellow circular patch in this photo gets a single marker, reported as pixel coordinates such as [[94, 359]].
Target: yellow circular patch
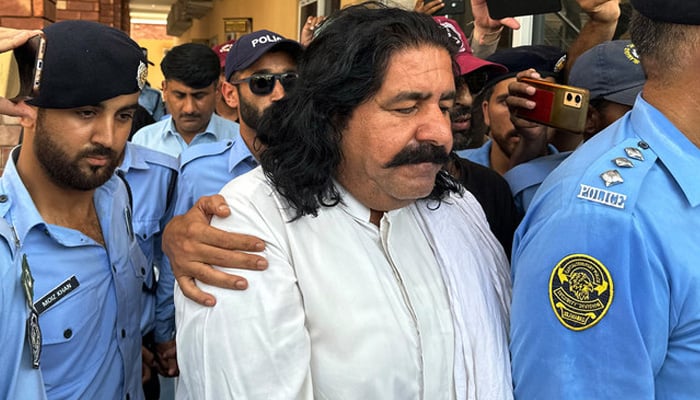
[[580, 291]]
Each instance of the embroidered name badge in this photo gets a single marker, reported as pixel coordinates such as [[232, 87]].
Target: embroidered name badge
[[602, 196], [56, 294], [580, 291]]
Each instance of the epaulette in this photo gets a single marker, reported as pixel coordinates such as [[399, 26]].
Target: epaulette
[[205, 150], [159, 158], [615, 178]]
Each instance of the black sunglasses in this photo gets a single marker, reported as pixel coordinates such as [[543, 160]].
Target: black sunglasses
[[264, 84]]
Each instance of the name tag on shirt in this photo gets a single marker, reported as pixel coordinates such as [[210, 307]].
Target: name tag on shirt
[[56, 294]]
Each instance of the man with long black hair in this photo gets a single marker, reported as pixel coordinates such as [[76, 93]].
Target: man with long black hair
[[384, 281]]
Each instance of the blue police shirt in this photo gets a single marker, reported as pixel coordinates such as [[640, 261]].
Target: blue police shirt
[[524, 179], [88, 296], [606, 295], [152, 100], [205, 169], [18, 379], [152, 176], [163, 136], [480, 155]]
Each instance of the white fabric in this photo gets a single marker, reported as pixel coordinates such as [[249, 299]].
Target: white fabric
[[345, 310], [478, 283]]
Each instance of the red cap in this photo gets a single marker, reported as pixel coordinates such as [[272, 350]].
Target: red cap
[[466, 60], [222, 50]]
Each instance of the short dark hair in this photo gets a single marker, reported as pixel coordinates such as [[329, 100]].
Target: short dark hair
[[662, 46], [193, 64], [344, 66]]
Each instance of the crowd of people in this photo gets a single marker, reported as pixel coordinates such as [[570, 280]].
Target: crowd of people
[[364, 213]]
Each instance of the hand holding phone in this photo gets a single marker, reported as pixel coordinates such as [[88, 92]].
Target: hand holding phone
[[559, 106], [27, 61], [9, 40]]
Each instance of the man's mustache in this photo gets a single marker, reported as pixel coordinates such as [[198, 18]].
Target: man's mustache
[[98, 151], [424, 153], [458, 111]]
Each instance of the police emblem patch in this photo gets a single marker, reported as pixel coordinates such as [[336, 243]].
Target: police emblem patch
[[141, 75], [580, 291]]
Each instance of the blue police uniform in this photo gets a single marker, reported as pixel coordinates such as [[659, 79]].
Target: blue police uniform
[[151, 176], [164, 137], [205, 169], [88, 297], [18, 379], [606, 295], [524, 179], [152, 100], [480, 155]]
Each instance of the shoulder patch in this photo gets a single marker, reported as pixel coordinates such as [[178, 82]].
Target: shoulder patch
[[580, 291]]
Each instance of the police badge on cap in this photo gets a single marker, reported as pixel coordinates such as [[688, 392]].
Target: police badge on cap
[[86, 63]]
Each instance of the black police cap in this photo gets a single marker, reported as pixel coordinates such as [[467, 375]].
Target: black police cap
[[86, 63]]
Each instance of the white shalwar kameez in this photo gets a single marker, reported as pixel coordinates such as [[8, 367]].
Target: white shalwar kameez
[[349, 310]]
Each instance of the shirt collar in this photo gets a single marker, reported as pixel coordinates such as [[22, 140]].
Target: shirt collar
[[132, 159], [240, 153], [211, 128], [680, 156], [25, 215]]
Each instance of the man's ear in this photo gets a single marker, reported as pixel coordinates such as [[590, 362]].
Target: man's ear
[[593, 122], [27, 114], [230, 94], [485, 112]]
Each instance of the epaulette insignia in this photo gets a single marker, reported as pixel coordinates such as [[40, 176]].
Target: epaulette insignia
[[613, 177], [580, 291]]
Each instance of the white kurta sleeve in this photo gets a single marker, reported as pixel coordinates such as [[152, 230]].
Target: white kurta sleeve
[[252, 344]]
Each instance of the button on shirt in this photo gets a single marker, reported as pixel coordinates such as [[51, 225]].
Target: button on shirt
[[152, 176], [644, 231], [163, 136], [91, 341], [386, 334]]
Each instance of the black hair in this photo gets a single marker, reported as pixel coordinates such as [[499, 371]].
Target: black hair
[[662, 46], [193, 64], [342, 68]]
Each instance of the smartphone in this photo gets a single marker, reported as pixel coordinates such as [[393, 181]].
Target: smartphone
[[559, 106], [452, 7], [499, 9], [29, 62]]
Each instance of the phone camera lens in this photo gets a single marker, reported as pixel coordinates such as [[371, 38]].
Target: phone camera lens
[[578, 98]]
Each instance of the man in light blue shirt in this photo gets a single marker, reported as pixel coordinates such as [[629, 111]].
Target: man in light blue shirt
[[606, 295], [72, 251], [506, 144], [612, 73], [152, 176], [191, 74]]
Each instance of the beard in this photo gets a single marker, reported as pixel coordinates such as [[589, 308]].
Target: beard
[[250, 114], [67, 172]]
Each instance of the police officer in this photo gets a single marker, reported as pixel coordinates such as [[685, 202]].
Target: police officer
[[263, 66], [70, 262], [606, 296]]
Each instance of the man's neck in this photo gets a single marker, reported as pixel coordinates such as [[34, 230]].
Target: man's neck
[[498, 159], [249, 138], [678, 104]]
